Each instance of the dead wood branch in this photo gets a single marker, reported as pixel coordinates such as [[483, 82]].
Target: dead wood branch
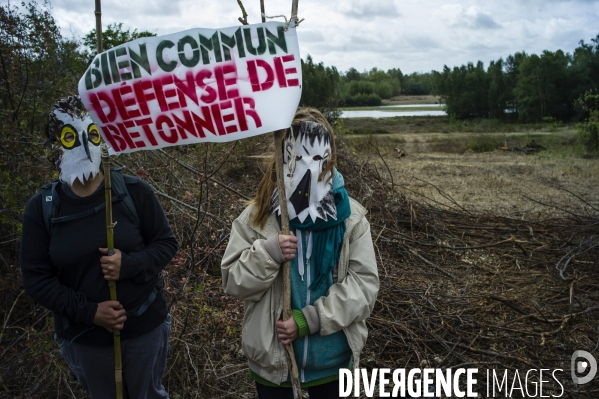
[[244, 17]]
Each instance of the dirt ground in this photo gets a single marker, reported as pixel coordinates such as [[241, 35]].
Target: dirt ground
[[499, 182]]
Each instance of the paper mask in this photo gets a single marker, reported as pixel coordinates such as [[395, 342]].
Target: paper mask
[[307, 152], [75, 141]]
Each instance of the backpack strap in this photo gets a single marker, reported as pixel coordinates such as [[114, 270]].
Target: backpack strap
[[119, 188], [97, 209], [146, 304], [50, 202]]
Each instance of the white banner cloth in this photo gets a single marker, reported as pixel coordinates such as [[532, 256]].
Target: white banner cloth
[[199, 85]]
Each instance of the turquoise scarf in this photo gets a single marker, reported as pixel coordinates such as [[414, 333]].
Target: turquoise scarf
[[327, 236]]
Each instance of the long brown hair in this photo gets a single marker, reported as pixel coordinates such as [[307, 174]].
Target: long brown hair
[[269, 181]]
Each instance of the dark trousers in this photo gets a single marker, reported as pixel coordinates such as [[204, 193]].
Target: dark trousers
[[330, 390], [144, 363]]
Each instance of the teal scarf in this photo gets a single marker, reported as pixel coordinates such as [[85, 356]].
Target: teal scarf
[[327, 236]]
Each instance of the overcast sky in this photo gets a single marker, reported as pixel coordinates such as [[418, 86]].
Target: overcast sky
[[413, 35]]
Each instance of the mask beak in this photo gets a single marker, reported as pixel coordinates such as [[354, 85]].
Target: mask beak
[[300, 199], [86, 146]]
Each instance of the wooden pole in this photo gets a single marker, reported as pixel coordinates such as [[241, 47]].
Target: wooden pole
[[116, 334], [294, 11], [279, 137], [98, 13], [287, 313]]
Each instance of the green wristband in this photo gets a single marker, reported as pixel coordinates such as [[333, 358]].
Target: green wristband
[[302, 323]]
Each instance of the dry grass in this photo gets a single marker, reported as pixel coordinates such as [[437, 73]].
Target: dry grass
[[470, 168], [500, 183]]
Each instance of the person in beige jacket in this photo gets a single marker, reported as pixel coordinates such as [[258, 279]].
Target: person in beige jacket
[[334, 277]]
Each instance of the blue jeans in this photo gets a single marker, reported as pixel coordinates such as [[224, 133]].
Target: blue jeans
[[144, 363]]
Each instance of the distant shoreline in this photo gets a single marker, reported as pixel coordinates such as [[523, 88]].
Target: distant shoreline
[[419, 103], [417, 99]]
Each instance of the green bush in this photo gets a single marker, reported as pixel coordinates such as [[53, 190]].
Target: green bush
[[373, 99], [362, 99], [589, 131], [360, 87]]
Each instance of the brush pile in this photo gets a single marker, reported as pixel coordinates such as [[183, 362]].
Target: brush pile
[[458, 289], [464, 290]]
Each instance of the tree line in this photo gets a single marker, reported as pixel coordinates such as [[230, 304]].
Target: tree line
[[326, 88], [553, 86], [530, 87]]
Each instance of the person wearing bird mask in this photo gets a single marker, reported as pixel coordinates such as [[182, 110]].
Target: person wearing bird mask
[[65, 263], [334, 278]]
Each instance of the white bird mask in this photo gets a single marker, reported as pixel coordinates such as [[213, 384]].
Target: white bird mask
[[75, 141], [307, 153]]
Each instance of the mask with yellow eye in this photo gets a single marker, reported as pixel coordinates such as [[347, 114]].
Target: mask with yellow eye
[[75, 141]]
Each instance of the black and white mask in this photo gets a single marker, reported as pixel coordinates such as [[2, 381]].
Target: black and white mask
[[307, 152], [75, 141]]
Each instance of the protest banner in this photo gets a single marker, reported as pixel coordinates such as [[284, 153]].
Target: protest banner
[[199, 85]]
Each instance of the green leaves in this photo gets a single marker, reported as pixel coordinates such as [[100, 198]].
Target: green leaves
[[37, 66], [368, 88], [532, 87], [320, 88], [113, 36], [589, 131]]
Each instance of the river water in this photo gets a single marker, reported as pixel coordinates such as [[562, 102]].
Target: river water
[[382, 113]]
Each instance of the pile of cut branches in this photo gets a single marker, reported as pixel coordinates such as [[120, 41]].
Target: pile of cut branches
[[458, 289]]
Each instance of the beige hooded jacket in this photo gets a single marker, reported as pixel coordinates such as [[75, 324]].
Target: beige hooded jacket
[[250, 273]]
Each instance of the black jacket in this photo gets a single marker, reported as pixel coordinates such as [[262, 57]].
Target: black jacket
[[61, 268]]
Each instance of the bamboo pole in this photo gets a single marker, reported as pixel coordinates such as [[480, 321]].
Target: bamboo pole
[[116, 334]]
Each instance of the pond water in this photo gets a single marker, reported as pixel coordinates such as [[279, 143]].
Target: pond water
[[412, 106], [381, 113]]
